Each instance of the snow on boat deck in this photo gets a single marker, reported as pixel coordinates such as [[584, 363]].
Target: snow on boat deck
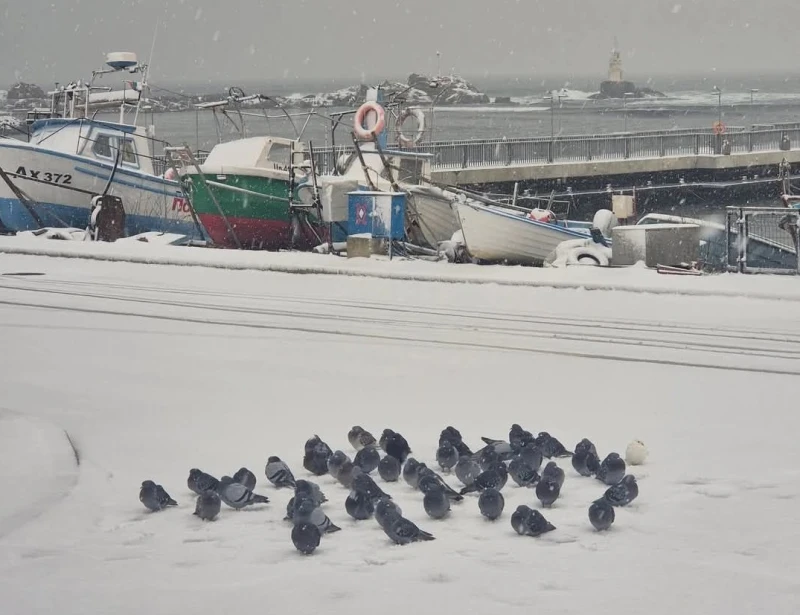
[[155, 369]]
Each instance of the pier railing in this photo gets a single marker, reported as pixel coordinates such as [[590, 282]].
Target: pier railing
[[473, 154]]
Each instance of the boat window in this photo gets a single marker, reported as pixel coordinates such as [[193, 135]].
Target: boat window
[[280, 155], [129, 152], [102, 147]]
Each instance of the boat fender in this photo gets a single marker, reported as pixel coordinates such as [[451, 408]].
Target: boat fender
[[171, 174], [419, 116], [362, 131], [587, 255], [542, 215]]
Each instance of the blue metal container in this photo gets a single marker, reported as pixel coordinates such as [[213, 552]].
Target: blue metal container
[[381, 214]]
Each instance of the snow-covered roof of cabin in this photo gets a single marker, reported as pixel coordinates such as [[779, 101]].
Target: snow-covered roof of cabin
[[250, 152]]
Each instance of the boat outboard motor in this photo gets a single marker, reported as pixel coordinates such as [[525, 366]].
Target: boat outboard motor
[[107, 220]]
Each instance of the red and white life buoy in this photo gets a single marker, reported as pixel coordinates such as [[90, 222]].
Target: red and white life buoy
[[364, 132]]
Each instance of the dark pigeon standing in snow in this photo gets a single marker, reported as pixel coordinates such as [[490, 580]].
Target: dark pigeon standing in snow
[[436, 503], [493, 478], [554, 473], [467, 469], [395, 445], [200, 482], [306, 510], [367, 459], [389, 469], [238, 496], [585, 459], [336, 462], [601, 514], [360, 438], [402, 532], [315, 459], [453, 436], [500, 448], [411, 472], [585, 445], [518, 437], [208, 505], [624, 492], [360, 505], [550, 446], [245, 477], [529, 522], [278, 473], [386, 512], [521, 473], [446, 456], [611, 470], [531, 456], [547, 490], [491, 503], [363, 483], [154, 497], [306, 538], [346, 473], [429, 480], [312, 490]]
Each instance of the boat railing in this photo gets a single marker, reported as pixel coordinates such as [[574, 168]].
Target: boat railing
[[762, 240]]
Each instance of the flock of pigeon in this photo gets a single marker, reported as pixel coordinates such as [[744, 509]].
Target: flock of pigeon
[[484, 471]]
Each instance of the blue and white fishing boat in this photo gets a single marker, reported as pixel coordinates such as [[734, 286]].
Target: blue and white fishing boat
[[72, 156]]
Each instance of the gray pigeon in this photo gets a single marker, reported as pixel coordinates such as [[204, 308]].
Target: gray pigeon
[[307, 488], [336, 462], [359, 505], [493, 478], [446, 456], [554, 473], [389, 469], [245, 477], [353, 437], [386, 511], [436, 503], [491, 503], [550, 446], [624, 492], [467, 469], [154, 497], [207, 506], [519, 437], [200, 482], [367, 459], [601, 514], [278, 473], [547, 490], [521, 473], [347, 472], [307, 511], [529, 522], [306, 537], [238, 496], [585, 462], [531, 455], [315, 459], [402, 532], [363, 483], [428, 480], [612, 469], [411, 472]]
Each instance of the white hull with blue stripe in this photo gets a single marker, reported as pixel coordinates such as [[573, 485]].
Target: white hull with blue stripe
[[496, 234]]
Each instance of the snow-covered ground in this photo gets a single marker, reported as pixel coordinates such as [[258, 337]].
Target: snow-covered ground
[[155, 369]]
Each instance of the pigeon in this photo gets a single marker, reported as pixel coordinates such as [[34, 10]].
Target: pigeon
[[521, 473], [636, 453], [245, 477], [238, 496], [336, 462], [411, 472], [554, 473], [366, 439], [452, 435], [360, 505], [518, 437], [353, 436], [529, 522], [306, 537], [402, 532], [624, 492], [586, 445], [154, 497], [467, 469], [307, 511], [367, 459], [601, 514], [486, 457], [531, 455], [436, 503], [491, 503], [200, 482], [547, 490], [493, 478], [550, 447], [315, 459], [347, 472], [208, 505], [386, 511], [363, 483], [278, 473], [306, 487], [500, 447], [389, 469], [290, 510], [446, 456], [585, 462], [395, 445], [611, 470], [428, 480]]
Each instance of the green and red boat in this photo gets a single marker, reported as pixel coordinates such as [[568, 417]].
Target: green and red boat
[[242, 195]]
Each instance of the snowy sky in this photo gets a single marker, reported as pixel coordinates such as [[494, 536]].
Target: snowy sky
[[208, 40]]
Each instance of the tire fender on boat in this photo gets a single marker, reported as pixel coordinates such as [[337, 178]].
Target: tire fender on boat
[[587, 255], [363, 132], [419, 116]]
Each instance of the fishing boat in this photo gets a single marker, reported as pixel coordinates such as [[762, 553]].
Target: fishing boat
[[431, 212], [497, 233], [72, 156]]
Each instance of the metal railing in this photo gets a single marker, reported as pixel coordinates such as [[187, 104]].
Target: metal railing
[[762, 240]]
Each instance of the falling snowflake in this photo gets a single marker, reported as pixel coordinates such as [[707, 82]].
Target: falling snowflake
[[215, 38], [676, 9]]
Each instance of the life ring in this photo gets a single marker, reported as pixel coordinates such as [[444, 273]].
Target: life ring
[[719, 128], [419, 116], [362, 132], [587, 256]]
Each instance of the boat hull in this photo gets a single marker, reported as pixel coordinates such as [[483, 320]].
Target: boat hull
[[432, 215], [493, 235], [62, 185]]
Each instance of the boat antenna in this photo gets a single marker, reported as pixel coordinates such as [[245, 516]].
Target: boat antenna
[[146, 71]]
